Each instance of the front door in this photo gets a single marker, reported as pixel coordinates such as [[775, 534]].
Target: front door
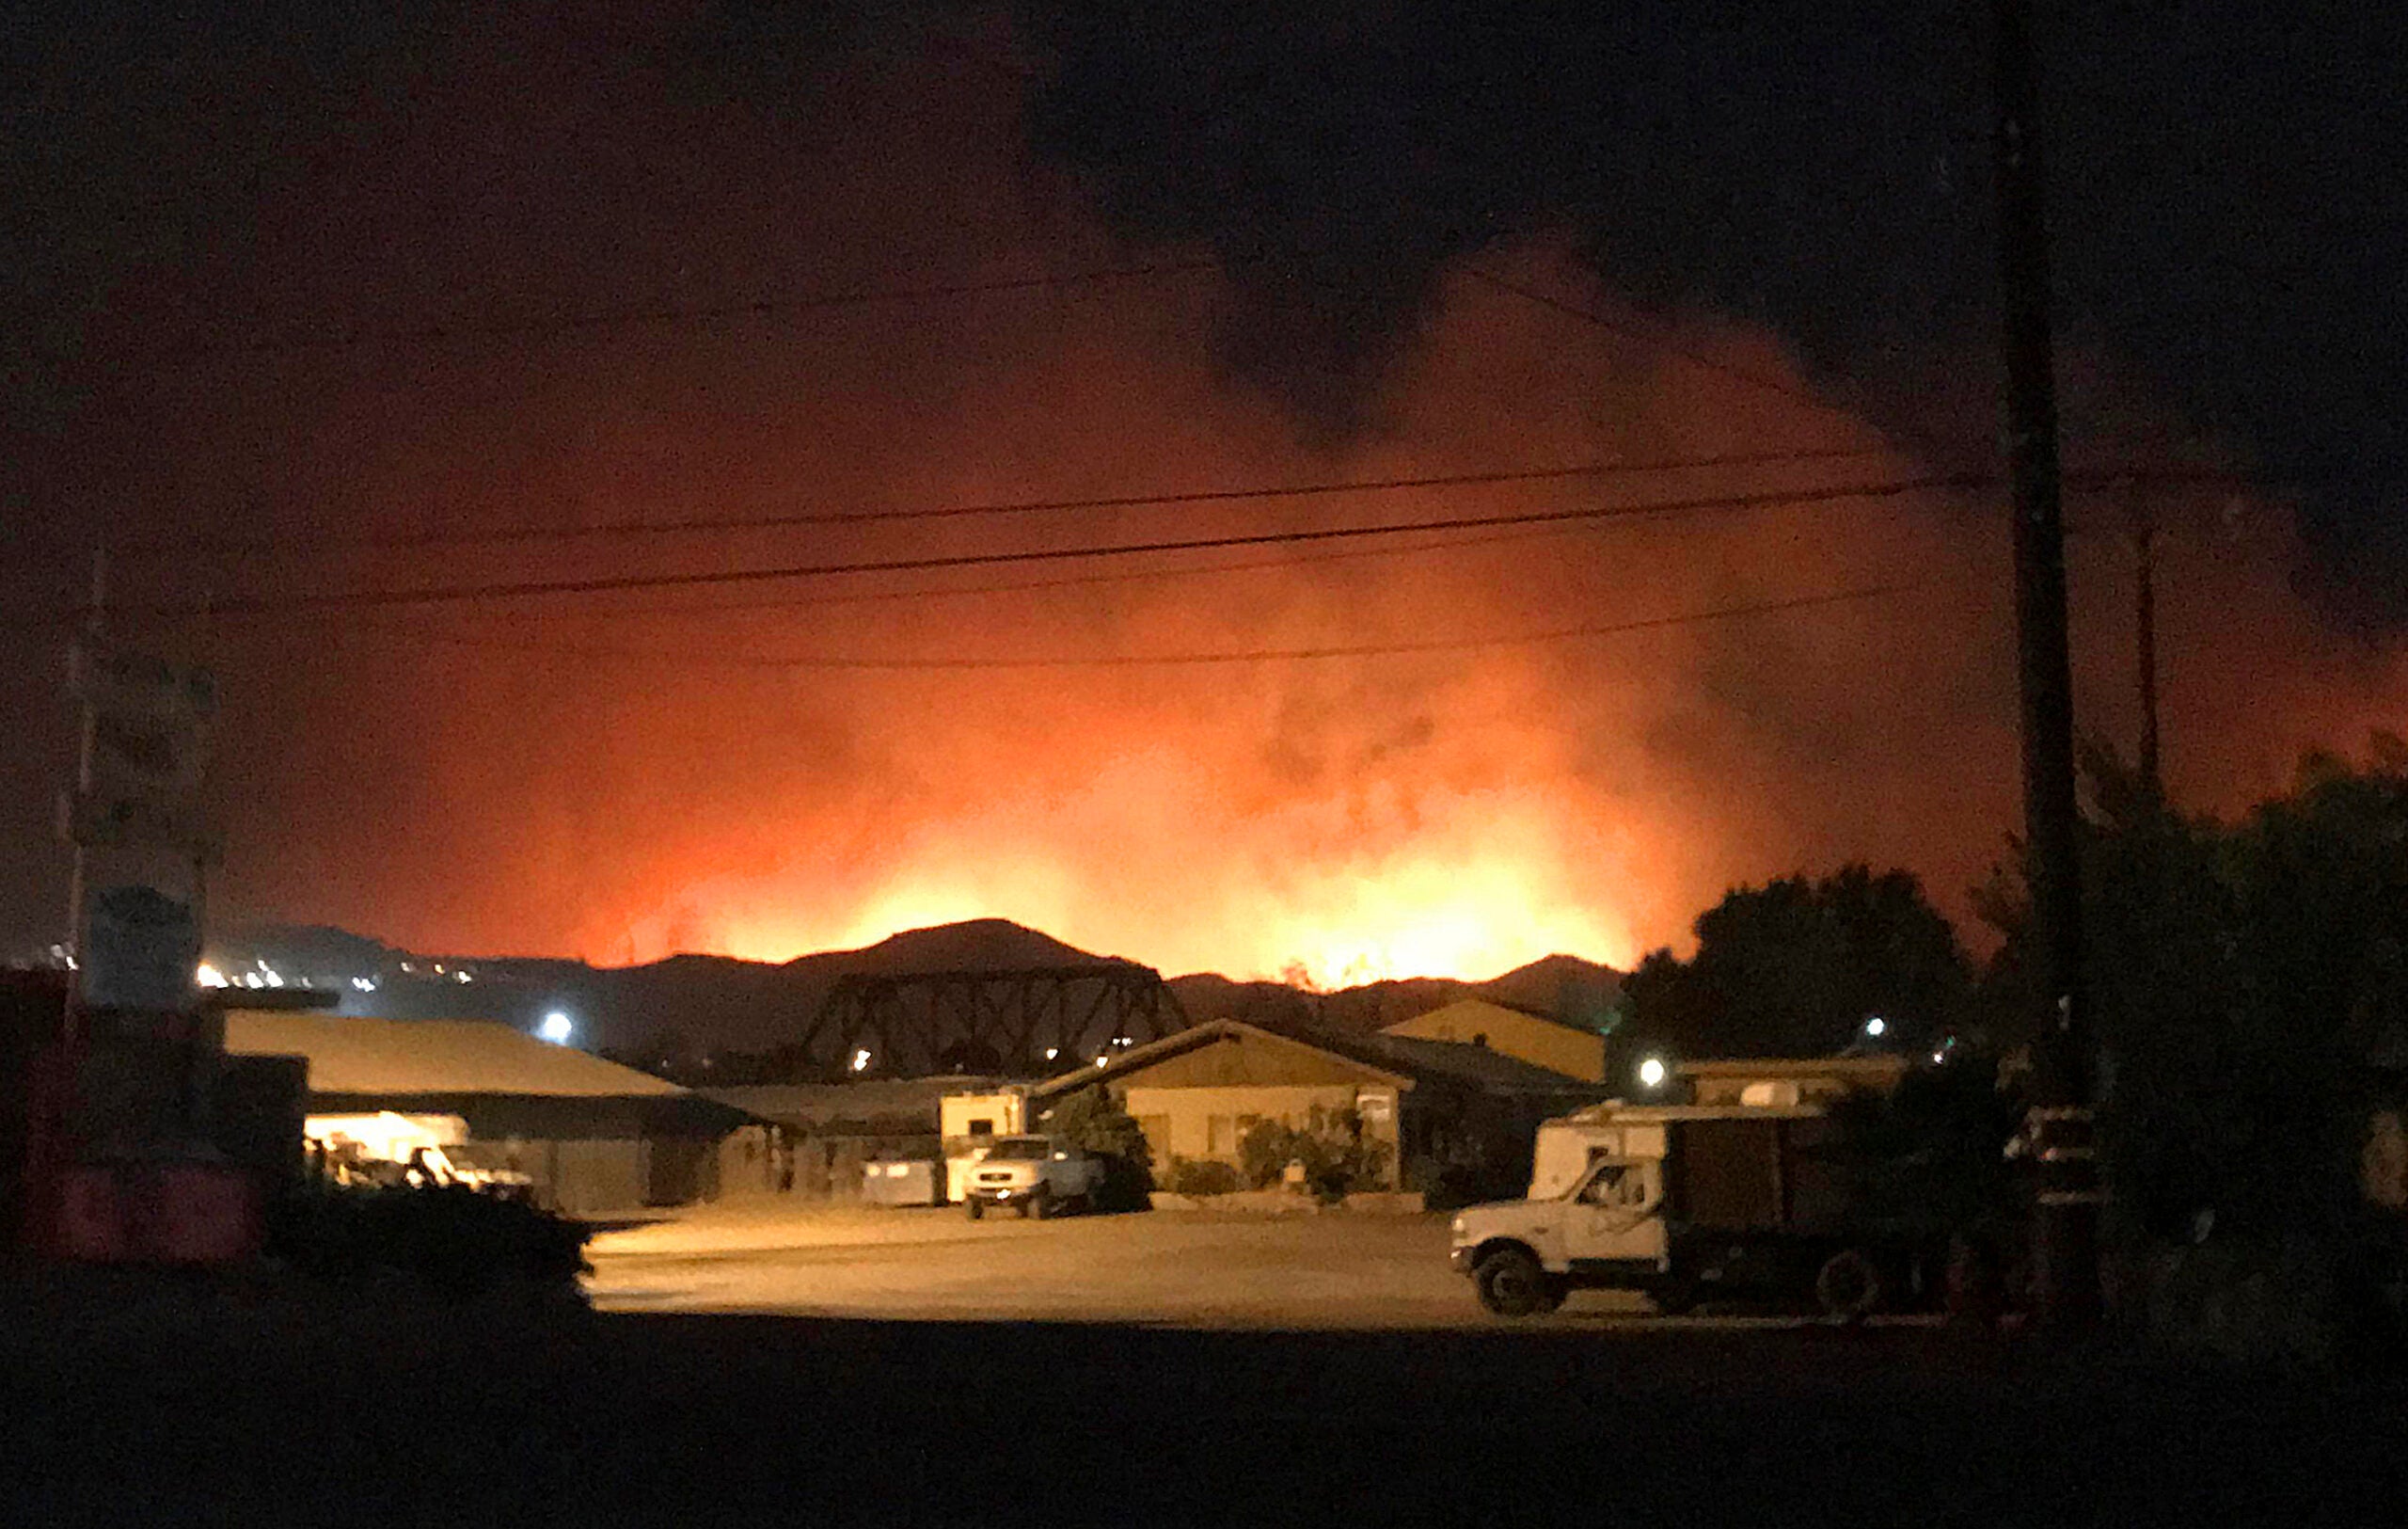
[[1614, 1219]]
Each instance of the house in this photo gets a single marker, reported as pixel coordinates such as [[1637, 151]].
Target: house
[[594, 1135], [816, 1138], [1575, 1052], [1433, 1104], [1766, 1082]]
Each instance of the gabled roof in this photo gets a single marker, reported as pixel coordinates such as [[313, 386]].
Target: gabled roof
[[1212, 1032], [1483, 1065], [1470, 1008], [420, 1057], [1401, 1061]]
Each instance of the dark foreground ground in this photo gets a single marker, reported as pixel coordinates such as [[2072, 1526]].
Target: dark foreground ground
[[201, 1410]]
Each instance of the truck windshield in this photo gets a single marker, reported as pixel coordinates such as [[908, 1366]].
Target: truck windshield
[[1021, 1148]]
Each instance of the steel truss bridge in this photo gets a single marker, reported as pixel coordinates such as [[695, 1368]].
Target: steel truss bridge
[[1024, 1022]]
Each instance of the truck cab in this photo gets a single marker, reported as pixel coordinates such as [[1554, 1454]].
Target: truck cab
[[1524, 1256]]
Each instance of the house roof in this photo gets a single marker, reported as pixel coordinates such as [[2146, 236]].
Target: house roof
[[1212, 1032], [1471, 1007], [1398, 1060], [420, 1057], [1483, 1065]]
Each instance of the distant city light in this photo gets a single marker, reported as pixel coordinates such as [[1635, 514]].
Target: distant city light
[[1052, 1052], [860, 1061], [1940, 1056], [365, 984], [1101, 1061], [209, 975], [1877, 1026], [462, 976], [556, 1028], [1651, 1073]]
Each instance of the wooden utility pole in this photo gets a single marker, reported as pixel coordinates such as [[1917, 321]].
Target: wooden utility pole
[[2143, 527], [2065, 1248]]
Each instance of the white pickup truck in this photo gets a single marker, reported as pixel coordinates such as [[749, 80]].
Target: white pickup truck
[[1033, 1174]]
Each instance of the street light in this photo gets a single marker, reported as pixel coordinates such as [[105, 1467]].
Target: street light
[[1877, 1026], [556, 1028], [860, 1061], [1652, 1072]]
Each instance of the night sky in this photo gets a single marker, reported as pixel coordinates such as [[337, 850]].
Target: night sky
[[311, 301]]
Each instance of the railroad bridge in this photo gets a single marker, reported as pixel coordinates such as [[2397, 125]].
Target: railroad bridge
[[1022, 1022]]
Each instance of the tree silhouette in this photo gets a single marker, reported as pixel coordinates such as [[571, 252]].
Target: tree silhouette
[[1796, 967]]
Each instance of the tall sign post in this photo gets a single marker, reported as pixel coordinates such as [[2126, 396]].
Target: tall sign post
[[124, 1170], [2064, 1250]]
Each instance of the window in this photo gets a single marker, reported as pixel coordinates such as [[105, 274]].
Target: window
[[982, 1127], [1220, 1136], [1614, 1183]]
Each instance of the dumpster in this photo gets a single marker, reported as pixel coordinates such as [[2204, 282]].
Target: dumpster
[[915, 1183]]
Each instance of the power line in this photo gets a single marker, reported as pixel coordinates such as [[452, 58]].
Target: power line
[[882, 596], [1645, 336], [1007, 507], [455, 593], [438, 595], [356, 336], [1657, 341], [1134, 661]]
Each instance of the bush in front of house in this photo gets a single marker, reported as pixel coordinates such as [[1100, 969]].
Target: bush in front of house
[[457, 1242], [1339, 1158], [1203, 1176], [1093, 1121]]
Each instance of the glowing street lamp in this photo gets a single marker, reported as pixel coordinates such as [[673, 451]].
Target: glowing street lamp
[[860, 1061], [1652, 1072], [1877, 1026], [556, 1028]]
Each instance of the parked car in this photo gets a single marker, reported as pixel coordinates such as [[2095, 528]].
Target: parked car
[[1034, 1175]]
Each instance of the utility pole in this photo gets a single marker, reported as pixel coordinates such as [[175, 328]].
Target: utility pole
[[2065, 1237], [2143, 527]]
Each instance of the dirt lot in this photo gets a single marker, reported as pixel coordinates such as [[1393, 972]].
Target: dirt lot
[[1188, 1268], [148, 1401], [1340, 1269]]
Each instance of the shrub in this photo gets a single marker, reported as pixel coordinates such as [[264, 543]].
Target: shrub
[[1090, 1120], [1339, 1158], [1207, 1176]]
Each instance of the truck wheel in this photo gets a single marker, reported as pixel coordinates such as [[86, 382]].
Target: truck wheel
[[1510, 1284], [977, 1210], [1849, 1287]]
